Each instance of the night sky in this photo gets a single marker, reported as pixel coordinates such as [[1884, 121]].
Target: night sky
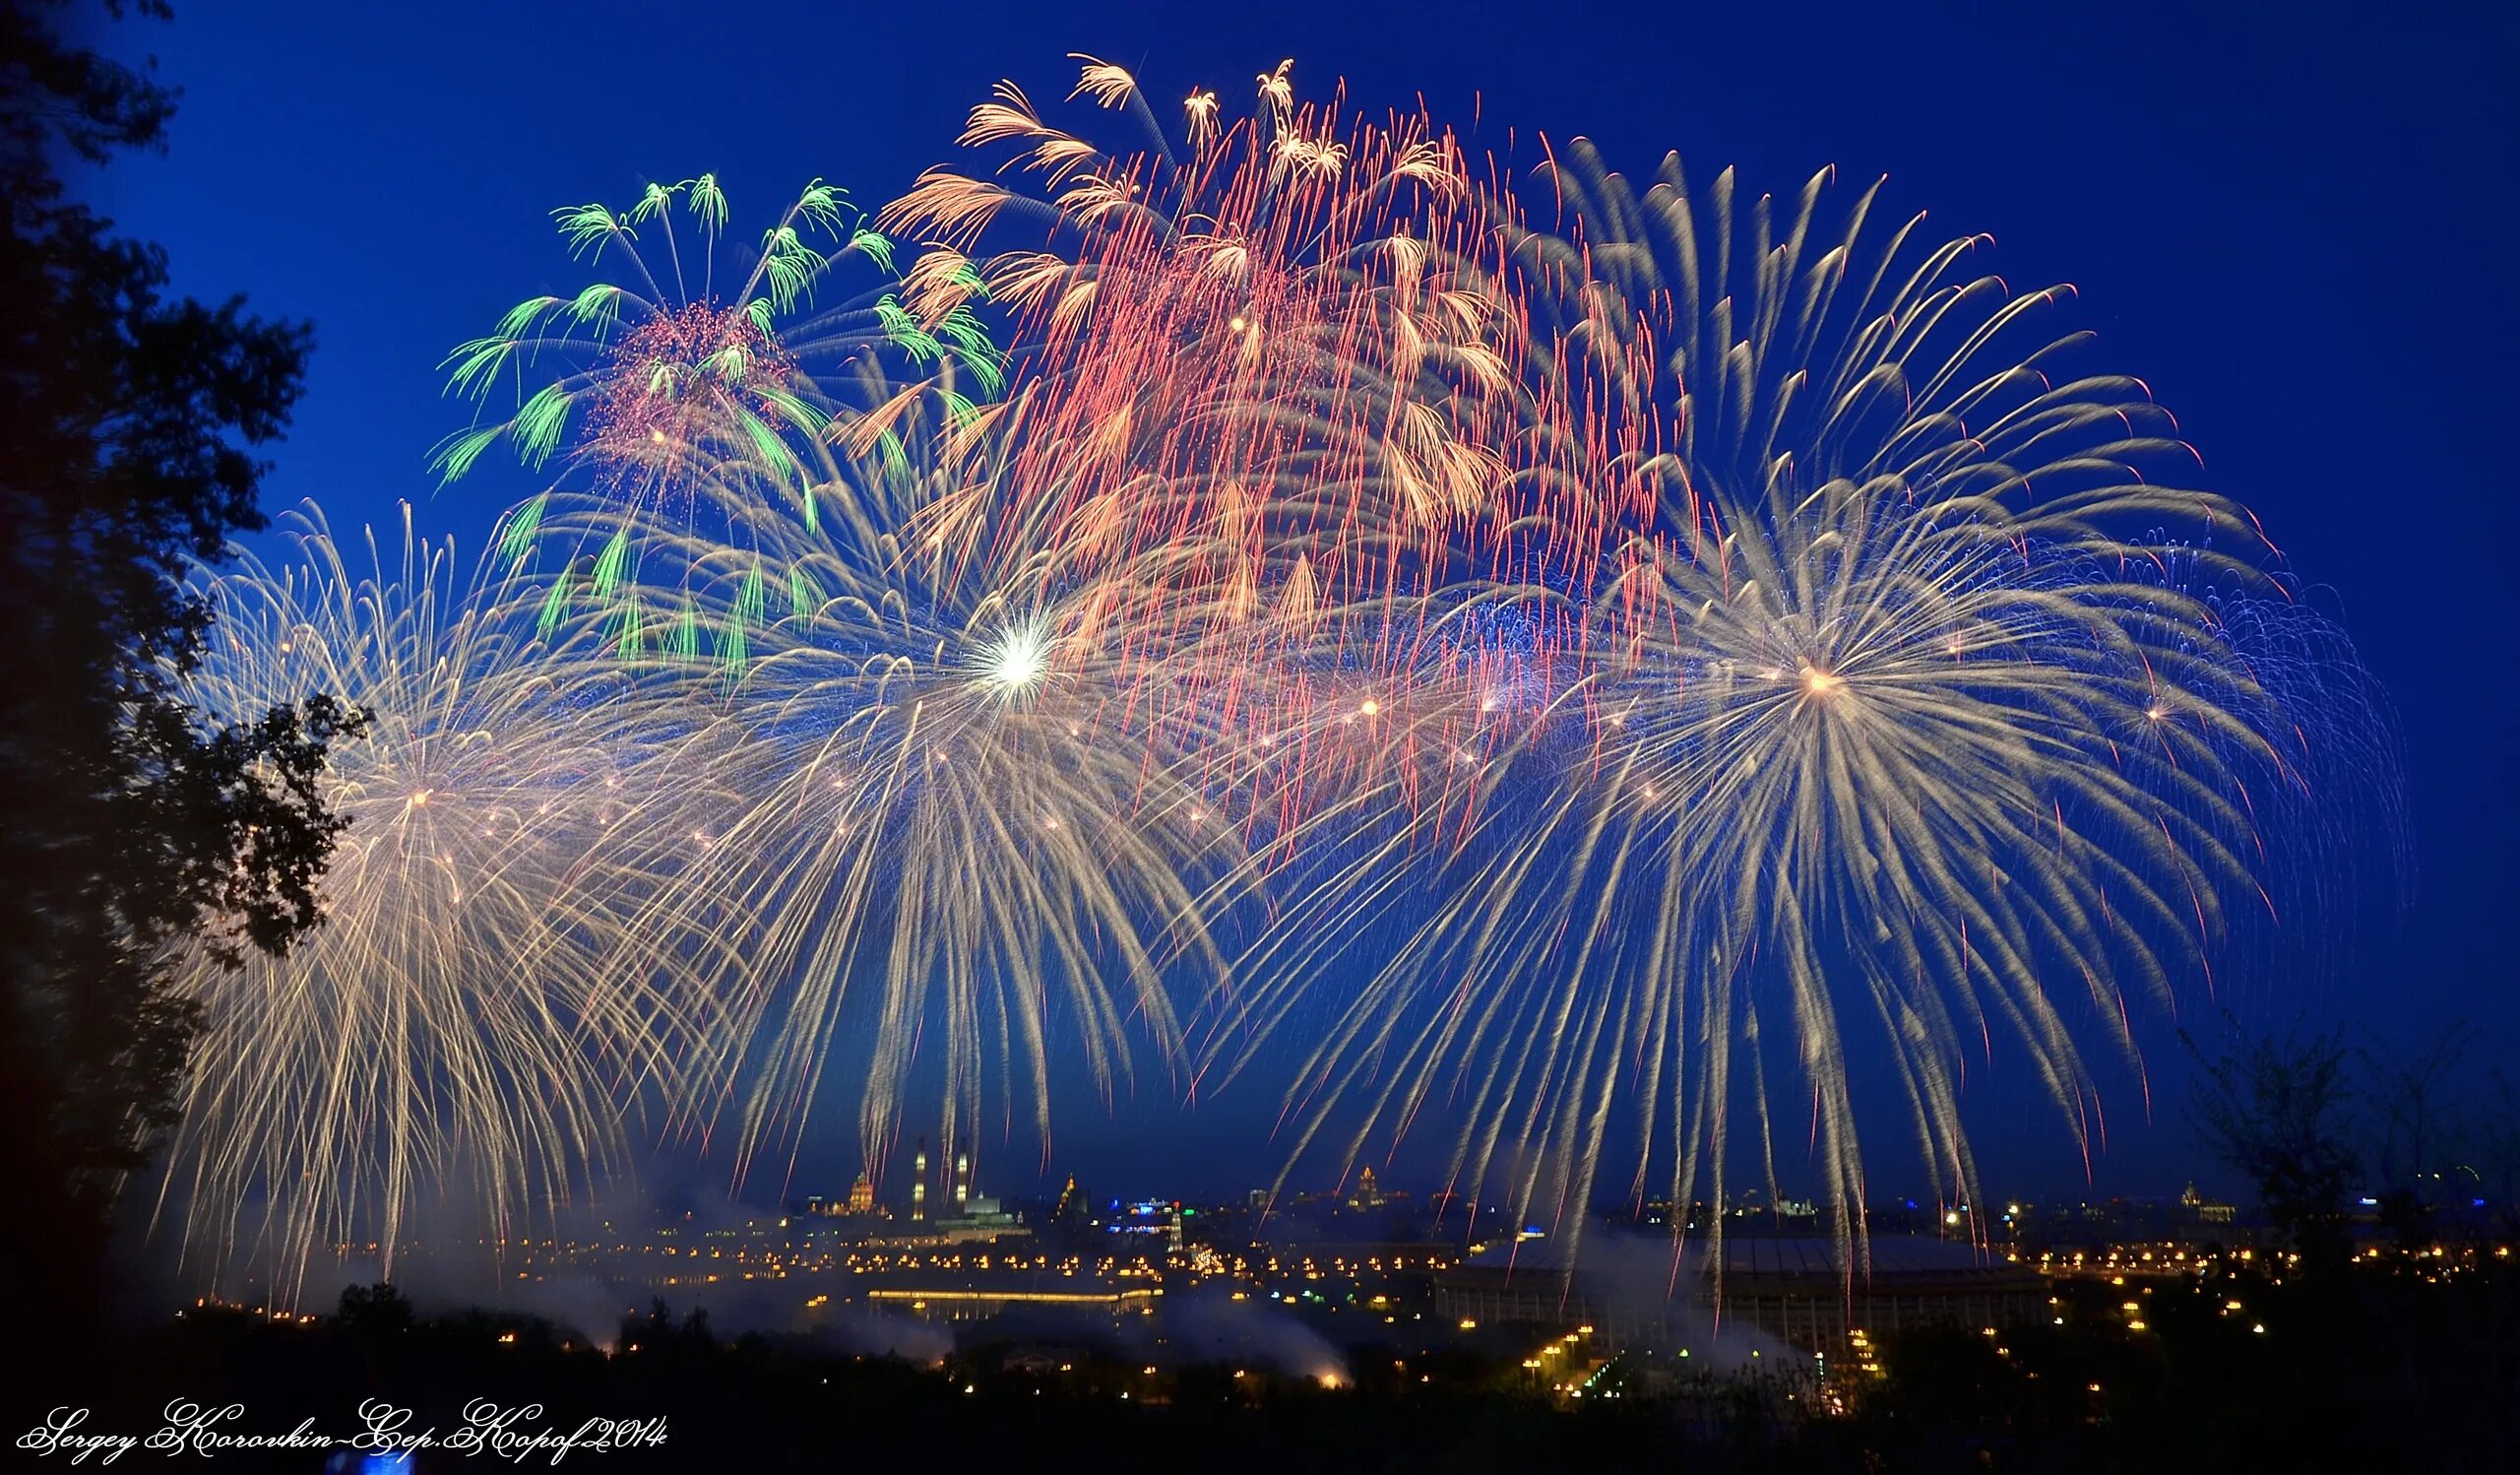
[[2294, 222]]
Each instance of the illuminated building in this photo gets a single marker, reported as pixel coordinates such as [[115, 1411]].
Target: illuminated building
[[973, 1216], [1152, 1216], [1789, 1287], [860, 1203], [980, 1217], [977, 1298], [2195, 1209], [1369, 1194], [918, 1184]]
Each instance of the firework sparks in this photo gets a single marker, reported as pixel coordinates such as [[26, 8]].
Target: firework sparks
[[1864, 728], [478, 1005], [1678, 631]]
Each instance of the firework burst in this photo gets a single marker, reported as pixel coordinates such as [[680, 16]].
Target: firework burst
[[1615, 647], [477, 1008], [692, 399], [1279, 373], [1891, 710], [941, 803]]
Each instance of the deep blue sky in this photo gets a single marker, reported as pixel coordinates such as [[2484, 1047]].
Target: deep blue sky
[[2294, 220]]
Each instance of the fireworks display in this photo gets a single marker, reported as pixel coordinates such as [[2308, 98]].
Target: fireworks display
[[923, 782], [1552, 661], [479, 1009], [693, 403], [1901, 711]]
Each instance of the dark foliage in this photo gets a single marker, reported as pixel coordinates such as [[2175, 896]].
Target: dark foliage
[[133, 829], [2276, 1110]]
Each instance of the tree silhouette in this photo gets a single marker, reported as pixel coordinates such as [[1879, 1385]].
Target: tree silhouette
[[2274, 1108], [132, 827], [2415, 1122], [374, 1310]]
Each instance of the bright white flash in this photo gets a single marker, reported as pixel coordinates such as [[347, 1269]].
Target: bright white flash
[[1013, 663]]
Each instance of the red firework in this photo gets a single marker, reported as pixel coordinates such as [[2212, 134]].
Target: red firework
[[674, 389]]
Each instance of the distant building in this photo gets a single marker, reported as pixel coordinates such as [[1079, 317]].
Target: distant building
[[2195, 1209], [973, 1295], [1154, 1217], [859, 1203], [976, 1216], [980, 1212], [2189, 1219], [1369, 1195], [1793, 1289]]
